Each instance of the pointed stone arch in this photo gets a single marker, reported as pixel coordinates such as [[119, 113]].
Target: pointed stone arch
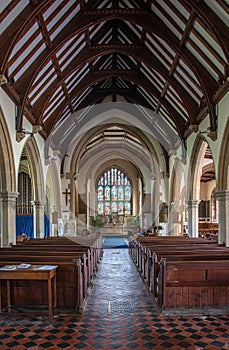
[[7, 166], [195, 170], [35, 163], [8, 192], [193, 187], [222, 193], [223, 167], [37, 179]]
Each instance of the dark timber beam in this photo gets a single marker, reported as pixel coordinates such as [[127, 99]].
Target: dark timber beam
[[91, 79]]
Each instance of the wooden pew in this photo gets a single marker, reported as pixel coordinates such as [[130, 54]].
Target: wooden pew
[[69, 284], [76, 264], [148, 256], [138, 249], [193, 284], [155, 258], [181, 251], [61, 250], [93, 243]]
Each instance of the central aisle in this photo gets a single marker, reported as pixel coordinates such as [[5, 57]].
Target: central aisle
[[119, 314], [119, 304]]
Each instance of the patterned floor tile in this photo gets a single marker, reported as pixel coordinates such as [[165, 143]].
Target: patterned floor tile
[[119, 314]]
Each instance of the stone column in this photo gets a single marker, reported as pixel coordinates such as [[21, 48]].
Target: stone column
[[140, 203], [193, 218], [147, 211], [154, 199], [53, 220], [170, 226], [38, 219], [88, 203], [8, 218], [223, 216], [75, 194]]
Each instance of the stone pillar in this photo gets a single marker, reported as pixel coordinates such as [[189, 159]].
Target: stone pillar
[[223, 216], [170, 226], [8, 218], [75, 194], [53, 220], [147, 211], [38, 219], [154, 199], [140, 203], [193, 218], [88, 203], [174, 220]]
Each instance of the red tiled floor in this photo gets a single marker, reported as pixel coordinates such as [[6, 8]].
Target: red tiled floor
[[120, 314]]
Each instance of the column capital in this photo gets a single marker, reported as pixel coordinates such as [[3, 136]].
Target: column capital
[[75, 176], [193, 203], [8, 195], [222, 195], [152, 176], [38, 203]]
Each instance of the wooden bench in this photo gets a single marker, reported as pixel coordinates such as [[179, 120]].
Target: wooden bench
[[154, 261], [138, 248], [193, 284], [89, 262], [76, 265], [70, 291], [149, 255], [93, 243]]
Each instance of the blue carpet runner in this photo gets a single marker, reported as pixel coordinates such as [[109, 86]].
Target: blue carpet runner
[[114, 242]]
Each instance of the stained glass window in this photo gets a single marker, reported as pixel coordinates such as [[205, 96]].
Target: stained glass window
[[114, 193]]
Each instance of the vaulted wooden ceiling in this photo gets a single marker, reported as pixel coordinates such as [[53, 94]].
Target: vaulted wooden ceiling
[[60, 56]]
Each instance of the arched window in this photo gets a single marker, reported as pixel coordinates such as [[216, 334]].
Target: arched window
[[114, 193]]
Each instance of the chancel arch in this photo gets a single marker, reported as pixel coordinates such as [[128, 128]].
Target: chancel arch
[[128, 144]]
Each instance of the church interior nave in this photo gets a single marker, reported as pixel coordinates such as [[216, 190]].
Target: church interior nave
[[120, 313]]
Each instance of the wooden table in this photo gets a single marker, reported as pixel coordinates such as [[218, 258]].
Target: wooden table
[[32, 272]]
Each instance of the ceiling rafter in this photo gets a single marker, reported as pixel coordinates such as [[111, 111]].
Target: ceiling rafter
[[157, 48], [10, 37], [148, 20], [218, 28], [92, 79], [130, 94], [89, 54]]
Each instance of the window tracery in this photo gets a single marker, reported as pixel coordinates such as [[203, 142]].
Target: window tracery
[[114, 193]]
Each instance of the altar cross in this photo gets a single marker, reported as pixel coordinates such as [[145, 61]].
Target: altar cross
[[66, 195]]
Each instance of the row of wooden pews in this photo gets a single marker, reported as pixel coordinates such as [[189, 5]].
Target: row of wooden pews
[[77, 265], [183, 273]]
